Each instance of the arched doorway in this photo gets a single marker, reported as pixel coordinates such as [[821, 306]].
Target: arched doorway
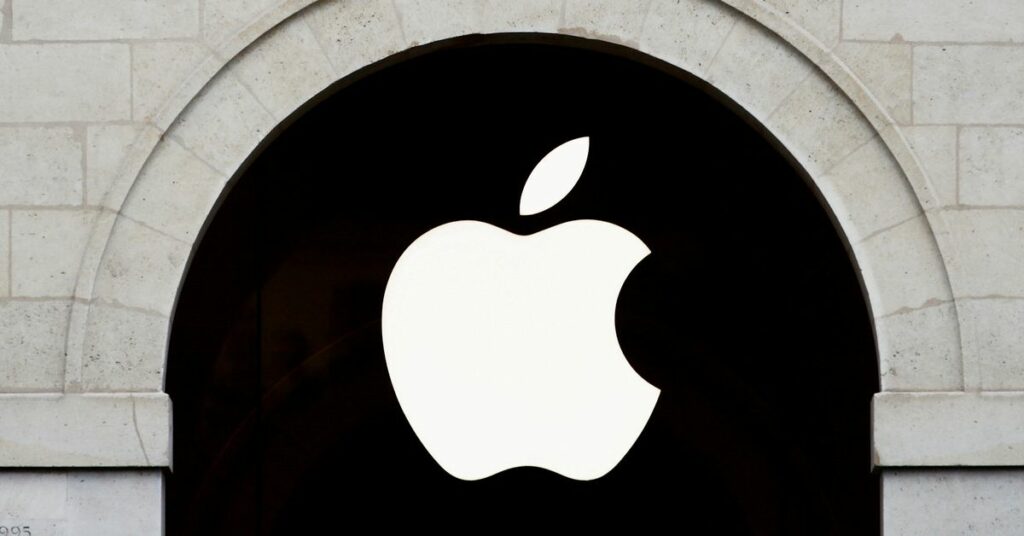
[[747, 314]]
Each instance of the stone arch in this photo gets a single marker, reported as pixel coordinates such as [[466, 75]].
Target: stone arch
[[777, 72]]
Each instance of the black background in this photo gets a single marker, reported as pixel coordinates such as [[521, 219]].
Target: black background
[[747, 314]]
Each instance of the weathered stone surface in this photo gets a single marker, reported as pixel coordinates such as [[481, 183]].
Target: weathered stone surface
[[686, 33], [933, 20], [5, 253], [919, 350], [125, 350], [867, 191], [936, 429], [819, 18], [993, 333], [135, 498], [757, 69], [34, 497], [94, 430], [158, 70], [40, 166], [989, 252], [992, 166], [106, 148], [47, 248], [285, 68], [819, 125], [903, 269], [425, 21], [968, 84], [886, 69], [83, 502], [936, 149], [223, 124], [174, 193], [355, 34], [953, 502], [94, 83], [222, 18], [32, 345], [103, 20], [140, 268], [608, 20]]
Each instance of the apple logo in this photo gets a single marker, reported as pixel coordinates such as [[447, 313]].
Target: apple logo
[[502, 348]]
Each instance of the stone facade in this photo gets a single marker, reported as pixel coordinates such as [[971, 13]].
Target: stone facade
[[121, 123]]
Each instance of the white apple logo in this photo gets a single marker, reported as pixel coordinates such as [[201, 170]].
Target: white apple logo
[[502, 348]]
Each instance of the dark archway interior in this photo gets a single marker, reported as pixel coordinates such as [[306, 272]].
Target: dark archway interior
[[747, 315]]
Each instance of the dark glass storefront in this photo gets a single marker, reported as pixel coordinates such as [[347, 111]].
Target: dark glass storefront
[[747, 315]]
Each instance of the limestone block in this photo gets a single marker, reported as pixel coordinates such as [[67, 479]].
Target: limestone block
[[687, 33], [174, 193], [953, 502], [819, 125], [425, 21], [250, 31], [285, 68], [993, 333], [106, 148], [919, 350], [903, 269], [989, 252], [115, 503], [992, 166], [936, 429], [47, 248], [523, 16], [125, 350], [83, 502], [969, 84], [886, 69], [5, 253], [608, 20], [820, 18], [757, 69], [158, 69], [32, 344], [95, 249], [933, 20], [222, 18], [40, 166], [141, 267], [936, 148], [124, 173], [355, 34], [33, 498], [94, 82], [92, 430], [867, 191], [223, 124], [75, 20]]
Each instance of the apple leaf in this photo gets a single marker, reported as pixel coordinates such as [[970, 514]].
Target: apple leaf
[[554, 176]]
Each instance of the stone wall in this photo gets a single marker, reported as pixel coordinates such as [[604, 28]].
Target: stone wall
[[121, 122]]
